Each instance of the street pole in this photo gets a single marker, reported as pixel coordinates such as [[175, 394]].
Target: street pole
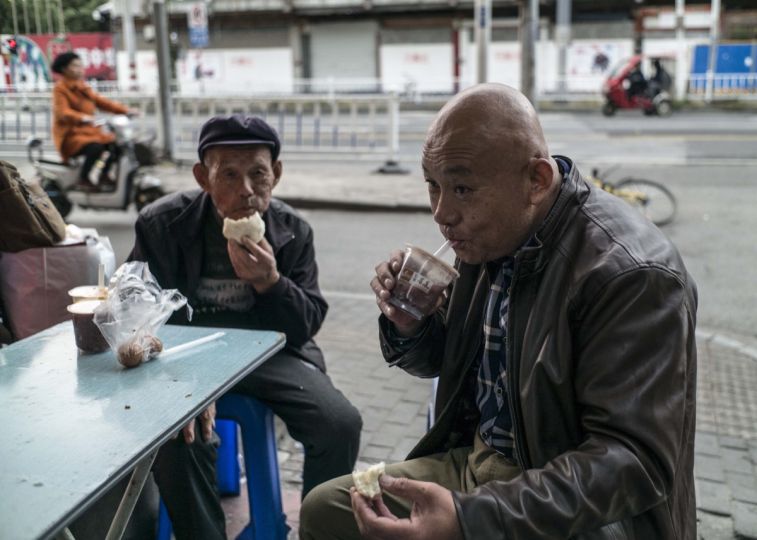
[[562, 36], [714, 37], [48, 15], [681, 67], [160, 21], [127, 27], [482, 18], [527, 37]]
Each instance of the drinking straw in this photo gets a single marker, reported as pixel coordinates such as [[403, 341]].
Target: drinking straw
[[443, 249], [194, 343], [101, 277]]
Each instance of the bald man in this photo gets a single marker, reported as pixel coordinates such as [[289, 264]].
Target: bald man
[[565, 353]]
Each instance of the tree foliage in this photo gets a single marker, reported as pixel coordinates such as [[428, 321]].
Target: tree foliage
[[77, 16]]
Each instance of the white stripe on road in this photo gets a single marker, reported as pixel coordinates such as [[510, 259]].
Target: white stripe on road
[[350, 295], [729, 342]]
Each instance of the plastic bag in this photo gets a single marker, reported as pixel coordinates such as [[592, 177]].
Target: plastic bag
[[135, 310]]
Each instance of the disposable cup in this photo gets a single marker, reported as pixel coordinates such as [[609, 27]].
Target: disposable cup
[[420, 281], [88, 337], [88, 292]]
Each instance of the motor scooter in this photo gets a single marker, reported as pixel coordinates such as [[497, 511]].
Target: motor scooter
[[626, 88], [59, 179]]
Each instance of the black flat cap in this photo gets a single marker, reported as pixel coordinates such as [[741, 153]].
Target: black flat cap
[[238, 129]]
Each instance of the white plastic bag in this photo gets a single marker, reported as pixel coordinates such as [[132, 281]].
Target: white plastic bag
[[135, 310]]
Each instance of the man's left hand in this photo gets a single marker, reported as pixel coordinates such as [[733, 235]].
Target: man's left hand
[[254, 263], [433, 516], [207, 420]]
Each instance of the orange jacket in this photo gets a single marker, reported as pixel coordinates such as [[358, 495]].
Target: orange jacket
[[72, 100]]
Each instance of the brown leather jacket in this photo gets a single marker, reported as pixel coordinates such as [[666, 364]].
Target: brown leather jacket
[[602, 374], [72, 100]]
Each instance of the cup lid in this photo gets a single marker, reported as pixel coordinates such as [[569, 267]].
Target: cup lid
[[83, 308], [88, 291]]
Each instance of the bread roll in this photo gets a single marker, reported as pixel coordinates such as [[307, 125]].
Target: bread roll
[[252, 227], [367, 481]]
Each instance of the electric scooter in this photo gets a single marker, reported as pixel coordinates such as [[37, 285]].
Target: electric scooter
[[59, 179], [617, 96]]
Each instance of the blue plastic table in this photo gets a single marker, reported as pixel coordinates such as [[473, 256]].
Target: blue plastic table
[[73, 425]]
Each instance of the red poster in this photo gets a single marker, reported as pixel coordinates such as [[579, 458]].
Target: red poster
[[95, 49]]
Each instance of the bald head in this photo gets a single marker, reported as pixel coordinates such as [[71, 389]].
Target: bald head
[[499, 117]]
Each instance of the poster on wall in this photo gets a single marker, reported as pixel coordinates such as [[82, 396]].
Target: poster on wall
[[30, 69], [589, 62]]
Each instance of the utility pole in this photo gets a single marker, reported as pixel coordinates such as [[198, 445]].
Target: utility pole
[[160, 20], [713, 59], [14, 15], [562, 36], [681, 71], [127, 27], [527, 34], [482, 18], [48, 15]]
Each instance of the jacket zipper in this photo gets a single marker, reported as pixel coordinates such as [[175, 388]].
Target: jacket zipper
[[521, 454]]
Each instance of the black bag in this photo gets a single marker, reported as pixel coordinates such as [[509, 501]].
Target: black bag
[[28, 217]]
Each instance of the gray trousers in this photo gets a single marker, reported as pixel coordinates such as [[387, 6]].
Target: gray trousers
[[326, 512]]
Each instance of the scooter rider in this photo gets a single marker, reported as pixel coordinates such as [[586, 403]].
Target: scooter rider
[[74, 131]]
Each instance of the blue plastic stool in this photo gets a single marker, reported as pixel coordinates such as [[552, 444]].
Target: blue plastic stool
[[227, 464], [268, 521]]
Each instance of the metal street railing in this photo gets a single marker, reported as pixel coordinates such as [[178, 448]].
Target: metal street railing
[[308, 125]]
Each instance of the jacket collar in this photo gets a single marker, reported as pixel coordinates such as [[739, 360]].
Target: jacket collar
[[573, 193]]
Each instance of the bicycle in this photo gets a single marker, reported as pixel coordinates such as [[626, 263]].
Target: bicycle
[[656, 202]]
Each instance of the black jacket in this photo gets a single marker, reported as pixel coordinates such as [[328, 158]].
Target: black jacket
[[601, 359], [169, 239]]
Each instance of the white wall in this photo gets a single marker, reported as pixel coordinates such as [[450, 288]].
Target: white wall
[[237, 71], [429, 67]]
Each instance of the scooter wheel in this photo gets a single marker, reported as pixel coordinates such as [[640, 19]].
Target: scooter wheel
[[608, 109], [664, 108]]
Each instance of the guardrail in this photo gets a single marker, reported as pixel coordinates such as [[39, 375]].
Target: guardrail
[[308, 125], [724, 86]]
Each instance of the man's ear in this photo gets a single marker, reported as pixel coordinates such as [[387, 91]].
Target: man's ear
[[200, 172], [278, 168], [542, 174]]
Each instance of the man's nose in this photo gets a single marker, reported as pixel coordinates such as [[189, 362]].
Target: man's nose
[[248, 188], [444, 210]]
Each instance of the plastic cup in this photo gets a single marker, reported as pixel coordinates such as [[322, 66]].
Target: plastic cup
[[421, 279], [88, 292], [88, 337]]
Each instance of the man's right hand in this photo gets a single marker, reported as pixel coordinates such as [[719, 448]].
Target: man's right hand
[[87, 119], [382, 284]]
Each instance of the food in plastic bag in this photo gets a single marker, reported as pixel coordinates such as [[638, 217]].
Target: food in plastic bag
[[134, 311]]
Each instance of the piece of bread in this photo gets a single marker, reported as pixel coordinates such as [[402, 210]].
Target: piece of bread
[[252, 227], [367, 481]]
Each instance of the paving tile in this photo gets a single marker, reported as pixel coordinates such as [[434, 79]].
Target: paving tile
[[713, 497], [739, 461], [745, 520], [707, 443], [708, 468]]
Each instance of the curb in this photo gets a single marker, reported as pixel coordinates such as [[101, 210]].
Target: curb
[[353, 206]]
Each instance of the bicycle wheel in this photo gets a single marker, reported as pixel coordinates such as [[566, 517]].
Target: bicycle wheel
[[651, 198]]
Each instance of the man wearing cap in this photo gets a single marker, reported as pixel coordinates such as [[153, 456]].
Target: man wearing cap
[[271, 285]]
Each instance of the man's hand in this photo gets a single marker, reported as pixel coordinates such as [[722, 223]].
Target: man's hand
[[133, 113], [433, 516], [87, 119], [207, 423], [254, 263], [382, 284]]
